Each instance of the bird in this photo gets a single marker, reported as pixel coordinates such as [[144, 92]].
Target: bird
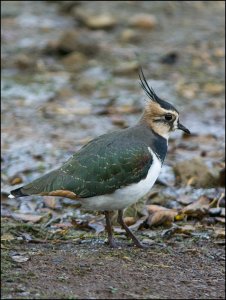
[[116, 169]]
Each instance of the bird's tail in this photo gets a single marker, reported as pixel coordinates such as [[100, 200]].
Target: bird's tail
[[55, 183], [40, 186], [17, 193]]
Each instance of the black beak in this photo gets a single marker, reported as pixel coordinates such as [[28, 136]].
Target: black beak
[[182, 127]]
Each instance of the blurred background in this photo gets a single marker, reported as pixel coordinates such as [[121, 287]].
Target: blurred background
[[70, 73]]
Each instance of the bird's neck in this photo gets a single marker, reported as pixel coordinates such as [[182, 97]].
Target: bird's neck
[[155, 141]]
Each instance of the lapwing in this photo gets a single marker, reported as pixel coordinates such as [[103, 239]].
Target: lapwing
[[116, 169]]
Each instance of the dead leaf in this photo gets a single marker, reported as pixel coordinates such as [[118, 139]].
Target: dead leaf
[[127, 258], [63, 225], [175, 229], [214, 88], [185, 199], [219, 232], [138, 223], [27, 217], [7, 237], [186, 229], [129, 221], [159, 215], [16, 180], [97, 226], [50, 201], [220, 219], [80, 224], [197, 208]]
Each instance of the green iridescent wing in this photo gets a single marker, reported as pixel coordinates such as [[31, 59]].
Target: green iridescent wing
[[101, 167]]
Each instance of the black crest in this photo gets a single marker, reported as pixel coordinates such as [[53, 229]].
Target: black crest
[[151, 93]]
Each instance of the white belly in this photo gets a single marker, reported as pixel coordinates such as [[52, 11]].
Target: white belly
[[128, 195]]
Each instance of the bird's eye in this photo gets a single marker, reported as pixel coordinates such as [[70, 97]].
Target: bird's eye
[[168, 117]]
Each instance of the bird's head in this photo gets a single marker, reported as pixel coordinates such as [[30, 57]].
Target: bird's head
[[161, 116]]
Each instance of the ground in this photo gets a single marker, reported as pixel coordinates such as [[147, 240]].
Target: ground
[[179, 268]]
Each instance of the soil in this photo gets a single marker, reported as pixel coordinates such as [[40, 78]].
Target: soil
[[183, 269]]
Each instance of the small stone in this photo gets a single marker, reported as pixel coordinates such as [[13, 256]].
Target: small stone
[[74, 60], [128, 36], [52, 46], [16, 180], [68, 41], [72, 41], [22, 61], [219, 233], [214, 88], [126, 68], [104, 21], [222, 212], [118, 121], [20, 258], [215, 211], [219, 52], [143, 21], [148, 241], [87, 86], [170, 58], [187, 90]]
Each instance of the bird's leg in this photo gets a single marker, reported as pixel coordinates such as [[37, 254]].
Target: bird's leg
[[111, 240], [128, 231]]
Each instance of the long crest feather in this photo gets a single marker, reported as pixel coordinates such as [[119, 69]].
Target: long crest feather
[[148, 90], [152, 95]]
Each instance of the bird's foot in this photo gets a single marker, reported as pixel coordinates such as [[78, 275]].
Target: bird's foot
[[112, 243], [140, 245], [136, 242]]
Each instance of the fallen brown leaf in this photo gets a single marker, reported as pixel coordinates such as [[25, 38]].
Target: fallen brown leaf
[[50, 201], [129, 221], [16, 180], [197, 208], [138, 223], [159, 215], [7, 237], [219, 232], [27, 217], [63, 225], [186, 229]]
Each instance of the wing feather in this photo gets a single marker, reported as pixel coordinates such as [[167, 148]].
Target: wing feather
[[101, 167]]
